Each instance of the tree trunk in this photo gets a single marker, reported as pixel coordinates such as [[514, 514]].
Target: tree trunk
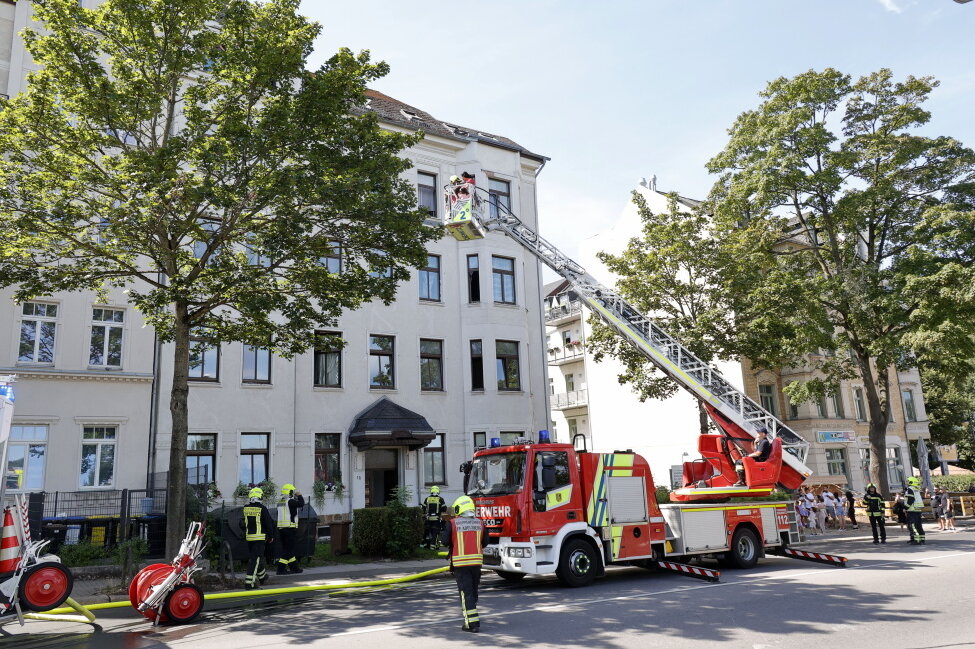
[[876, 392], [176, 495]]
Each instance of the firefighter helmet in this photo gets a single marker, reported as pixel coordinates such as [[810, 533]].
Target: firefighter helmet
[[913, 482], [435, 490], [871, 486], [287, 489], [256, 493], [463, 505]]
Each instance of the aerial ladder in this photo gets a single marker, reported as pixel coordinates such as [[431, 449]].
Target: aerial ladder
[[471, 212]]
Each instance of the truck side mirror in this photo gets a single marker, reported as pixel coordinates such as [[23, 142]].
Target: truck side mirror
[[548, 477]]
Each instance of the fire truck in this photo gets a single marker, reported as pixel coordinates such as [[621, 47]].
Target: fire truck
[[554, 508]]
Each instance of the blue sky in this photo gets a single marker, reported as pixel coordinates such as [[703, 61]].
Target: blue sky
[[615, 90]]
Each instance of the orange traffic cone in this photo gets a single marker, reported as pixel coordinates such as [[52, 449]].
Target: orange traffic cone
[[9, 544]]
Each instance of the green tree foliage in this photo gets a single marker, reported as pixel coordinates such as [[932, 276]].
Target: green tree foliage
[[845, 232], [182, 151], [670, 272]]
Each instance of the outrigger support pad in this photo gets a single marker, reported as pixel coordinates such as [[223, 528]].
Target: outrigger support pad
[[706, 574], [818, 557]]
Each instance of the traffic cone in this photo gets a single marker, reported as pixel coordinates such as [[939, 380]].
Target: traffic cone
[[9, 544]]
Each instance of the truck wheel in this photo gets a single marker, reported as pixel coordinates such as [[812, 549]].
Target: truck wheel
[[45, 586], [510, 576], [577, 566], [744, 549]]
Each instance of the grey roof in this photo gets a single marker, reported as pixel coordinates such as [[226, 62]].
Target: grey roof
[[385, 423], [402, 114], [554, 288]]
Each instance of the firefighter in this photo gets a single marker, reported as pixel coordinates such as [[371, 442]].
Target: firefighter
[[258, 531], [464, 538], [762, 450], [434, 508], [915, 503], [288, 507], [875, 512]]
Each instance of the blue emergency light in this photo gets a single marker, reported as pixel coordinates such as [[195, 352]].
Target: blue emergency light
[[495, 442], [544, 437]]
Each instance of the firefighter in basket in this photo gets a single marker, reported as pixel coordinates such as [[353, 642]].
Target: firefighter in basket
[[464, 538], [258, 532], [288, 507]]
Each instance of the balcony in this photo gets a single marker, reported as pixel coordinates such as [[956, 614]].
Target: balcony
[[562, 313], [567, 354], [567, 400]]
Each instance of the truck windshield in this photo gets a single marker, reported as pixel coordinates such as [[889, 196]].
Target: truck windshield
[[497, 475]]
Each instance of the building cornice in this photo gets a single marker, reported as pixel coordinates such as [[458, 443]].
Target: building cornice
[[34, 373]]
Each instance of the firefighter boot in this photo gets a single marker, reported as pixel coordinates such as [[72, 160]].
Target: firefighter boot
[[295, 568], [282, 569]]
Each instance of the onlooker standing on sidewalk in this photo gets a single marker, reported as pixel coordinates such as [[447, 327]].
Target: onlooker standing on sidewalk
[[949, 511], [821, 513], [830, 504], [915, 504], [840, 510], [875, 512], [851, 508], [937, 508]]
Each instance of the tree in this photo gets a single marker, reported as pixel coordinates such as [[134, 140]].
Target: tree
[[844, 233], [671, 273], [181, 150]]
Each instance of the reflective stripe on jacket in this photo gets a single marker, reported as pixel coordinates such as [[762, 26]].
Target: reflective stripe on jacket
[[874, 504], [253, 525], [434, 507], [915, 502], [288, 511], [465, 536]]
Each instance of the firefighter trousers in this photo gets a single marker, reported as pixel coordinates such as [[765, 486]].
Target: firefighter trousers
[[289, 538], [432, 530], [468, 579], [914, 527], [256, 568], [877, 524]]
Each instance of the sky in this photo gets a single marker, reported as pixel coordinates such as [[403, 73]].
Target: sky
[[615, 90]]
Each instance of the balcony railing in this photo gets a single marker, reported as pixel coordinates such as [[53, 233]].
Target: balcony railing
[[559, 355], [563, 311], [574, 399]]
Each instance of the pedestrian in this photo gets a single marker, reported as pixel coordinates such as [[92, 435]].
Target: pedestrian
[[949, 511], [464, 538], [803, 512], [875, 506], [830, 506], [851, 508], [433, 510], [821, 513], [914, 504], [937, 508], [258, 532], [900, 509], [762, 450], [288, 507], [840, 510]]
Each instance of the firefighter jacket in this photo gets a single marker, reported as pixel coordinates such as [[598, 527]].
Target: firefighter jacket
[[434, 507], [288, 509], [915, 502], [464, 538], [258, 524], [874, 504]]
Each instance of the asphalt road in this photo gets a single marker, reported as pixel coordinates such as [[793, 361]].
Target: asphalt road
[[890, 597]]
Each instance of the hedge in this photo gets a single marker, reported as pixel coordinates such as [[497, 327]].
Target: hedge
[[953, 482], [387, 531]]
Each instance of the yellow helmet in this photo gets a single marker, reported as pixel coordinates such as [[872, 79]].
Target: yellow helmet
[[435, 490], [462, 505], [256, 493], [913, 482], [287, 489]]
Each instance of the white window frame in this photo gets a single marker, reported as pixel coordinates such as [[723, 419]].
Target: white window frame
[[38, 320], [27, 443], [107, 325], [100, 445]]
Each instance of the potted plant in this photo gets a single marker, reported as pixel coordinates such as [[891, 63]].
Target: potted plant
[[270, 490], [240, 493], [318, 490]]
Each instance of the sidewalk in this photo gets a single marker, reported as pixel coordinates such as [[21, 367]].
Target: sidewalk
[[894, 532]]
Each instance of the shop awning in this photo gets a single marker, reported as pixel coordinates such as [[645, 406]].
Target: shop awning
[[385, 423]]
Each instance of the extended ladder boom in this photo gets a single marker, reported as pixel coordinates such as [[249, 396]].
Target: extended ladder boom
[[666, 353]]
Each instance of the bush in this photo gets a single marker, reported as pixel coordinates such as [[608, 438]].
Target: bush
[[663, 495], [395, 531], [953, 482], [81, 554]]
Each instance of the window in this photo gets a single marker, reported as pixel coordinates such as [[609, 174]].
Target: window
[[570, 383], [573, 427], [204, 357], [499, 196], [766, 395], [508, 374], [562, 474], [821, 407], [200, 245], [895, 475], [105, 349], [793, 411], [201, 459], [859, 404], [430, 279], [257, 365], [473, 279], [433, 462], [477, 367], [431, 364], [332, 260], [551, 385], [98, 456], [426, 193], [26, 450], [837, 401], [910, 412], [328, 359], [376, 268], [836, 461], [37, 330], [509, 436], [480, 440], [503, 274], [327, 467], [252, 465], [381, 362]]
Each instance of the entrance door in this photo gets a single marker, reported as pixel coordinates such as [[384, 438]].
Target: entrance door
[[382, 475]]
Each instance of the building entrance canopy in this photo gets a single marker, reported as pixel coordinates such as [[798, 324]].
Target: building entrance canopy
[[385, 423]]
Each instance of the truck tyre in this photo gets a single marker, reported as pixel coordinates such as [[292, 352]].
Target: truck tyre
[[578, 564], [511, 576], [744, 549]]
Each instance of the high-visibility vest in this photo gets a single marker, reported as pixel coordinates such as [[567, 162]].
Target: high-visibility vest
[[434, 505], [284, 514], [916, 502], [253, 531], [465, 548]]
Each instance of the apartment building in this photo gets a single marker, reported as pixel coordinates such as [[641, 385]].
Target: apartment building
[[457, 359]]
